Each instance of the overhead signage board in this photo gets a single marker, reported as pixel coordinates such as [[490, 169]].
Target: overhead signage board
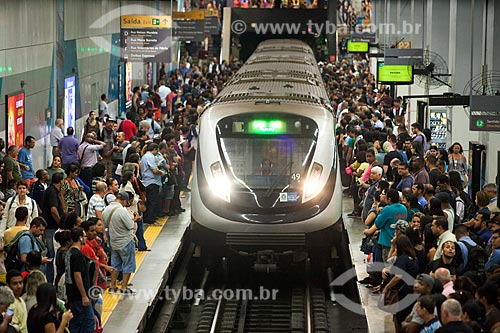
[[146, 38], [211, 22], [69, 101], [15, 119], [189, 26], [484, 113]]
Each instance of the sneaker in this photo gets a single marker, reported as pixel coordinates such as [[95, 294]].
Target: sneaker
[[113, 290], [128, 291]]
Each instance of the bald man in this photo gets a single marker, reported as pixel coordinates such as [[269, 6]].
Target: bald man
[[444, 276]]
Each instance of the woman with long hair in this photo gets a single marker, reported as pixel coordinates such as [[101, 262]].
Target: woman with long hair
[[92, 124], [407, 262], [42, 318], [33, 280], [55, 167], [70, 190], [457, 161]]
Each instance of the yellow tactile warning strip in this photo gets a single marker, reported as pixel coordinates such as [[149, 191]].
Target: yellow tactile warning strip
[[111, 300]]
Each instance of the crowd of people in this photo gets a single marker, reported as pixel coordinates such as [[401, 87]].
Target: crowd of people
[[78, 224], [432, 237]]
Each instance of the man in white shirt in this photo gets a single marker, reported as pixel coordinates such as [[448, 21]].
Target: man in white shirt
[[96, 202], [103, 107], [163, 91], [56, 135]]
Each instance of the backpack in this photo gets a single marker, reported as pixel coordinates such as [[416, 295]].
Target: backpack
[[476, 258], [31, 199], [12, 249], [468, 205]]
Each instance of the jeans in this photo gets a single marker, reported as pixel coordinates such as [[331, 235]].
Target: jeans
[[83, 318], [86, 176], [153, 203], [49, 238], [140, 236], [188, 167]]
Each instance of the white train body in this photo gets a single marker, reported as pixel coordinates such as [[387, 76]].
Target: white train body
[[266, 173]]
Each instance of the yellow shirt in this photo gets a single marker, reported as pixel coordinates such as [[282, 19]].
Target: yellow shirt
[[20, 317], [10, 233]]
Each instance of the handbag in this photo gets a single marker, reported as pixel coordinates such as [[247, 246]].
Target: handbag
[[366, 245]]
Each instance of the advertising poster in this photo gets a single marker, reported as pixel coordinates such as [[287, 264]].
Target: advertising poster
[[15, 119], [69, 101], [128, 82]]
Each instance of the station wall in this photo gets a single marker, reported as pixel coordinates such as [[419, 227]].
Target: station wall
[[28, 33]]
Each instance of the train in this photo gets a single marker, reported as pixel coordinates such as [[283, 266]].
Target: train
[[266, 181]]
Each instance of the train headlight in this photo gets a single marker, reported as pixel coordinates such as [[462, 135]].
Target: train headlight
[[220, 184], [313, 185]]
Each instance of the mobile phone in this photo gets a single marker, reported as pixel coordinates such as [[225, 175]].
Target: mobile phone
[[9, 312]]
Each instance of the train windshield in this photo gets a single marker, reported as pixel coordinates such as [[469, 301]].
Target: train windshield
[[267, 155]]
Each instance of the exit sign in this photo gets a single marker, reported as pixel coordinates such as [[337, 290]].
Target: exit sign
[[155, 21]]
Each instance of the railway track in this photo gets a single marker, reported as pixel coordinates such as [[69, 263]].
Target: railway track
[[296, 309]]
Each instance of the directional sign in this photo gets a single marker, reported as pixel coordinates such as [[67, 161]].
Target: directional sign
[[189, 26], [146, 38]]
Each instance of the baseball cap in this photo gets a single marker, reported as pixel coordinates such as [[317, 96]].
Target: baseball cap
[[443, 196], [122, 196], [401, 225], [111, 120], [425, 279]]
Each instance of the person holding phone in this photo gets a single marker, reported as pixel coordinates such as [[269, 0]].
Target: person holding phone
[[6, 299]]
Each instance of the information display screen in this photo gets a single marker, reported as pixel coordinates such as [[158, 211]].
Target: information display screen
[[69, 101], [15, 119], [397, 74], [357, 47]]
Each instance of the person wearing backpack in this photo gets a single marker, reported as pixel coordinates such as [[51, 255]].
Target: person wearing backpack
[[19, 200], [29, 241], [473, 254], [20, 226]]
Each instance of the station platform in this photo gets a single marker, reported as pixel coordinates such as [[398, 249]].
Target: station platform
[[378, 320], [130, 313]]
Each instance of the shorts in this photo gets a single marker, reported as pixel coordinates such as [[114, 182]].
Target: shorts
[[164, 110], [123, 260], [169, 191]]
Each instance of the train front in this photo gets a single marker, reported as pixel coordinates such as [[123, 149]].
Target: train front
[[266, 181]]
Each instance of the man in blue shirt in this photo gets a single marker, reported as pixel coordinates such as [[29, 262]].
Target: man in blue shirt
[[494, 258], [151, 177], [407, 179], [68, 147], [25, 160], [31, 243], [390, 214]]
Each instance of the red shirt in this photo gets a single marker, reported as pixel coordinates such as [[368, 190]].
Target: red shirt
[[129, 128], [89, 253]]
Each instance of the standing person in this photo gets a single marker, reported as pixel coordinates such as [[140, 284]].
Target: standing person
[[68, 148], [39, 187], [15, 283], [32, 243], [391, 213], [103, 106], [96, 203], [56, 135], [56, 167], [12, 170], [21, 218], [92, 124], [164, 91], [52, 212], [6, 299], [458, 161], [121, 237], [21, 199], [151, 177], [43, 317], [88, 157], [70, 190], [189, 154], [439, 228], [78, 283], [25, 160], [108, 137], [407, 179], [451, 316], [128, 126]]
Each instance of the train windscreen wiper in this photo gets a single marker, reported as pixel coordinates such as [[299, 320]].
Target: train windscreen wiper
[[278, 179]]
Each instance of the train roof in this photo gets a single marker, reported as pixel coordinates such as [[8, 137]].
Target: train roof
[[278, 71]]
